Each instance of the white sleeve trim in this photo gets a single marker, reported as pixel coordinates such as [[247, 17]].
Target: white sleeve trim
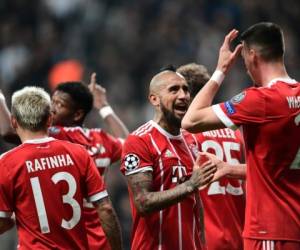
[[223, 117], [98, 196], [139, 170], [5, 214]]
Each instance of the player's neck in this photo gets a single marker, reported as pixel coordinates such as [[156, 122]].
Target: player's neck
[[170, 128], [272, 71], [26, 135]]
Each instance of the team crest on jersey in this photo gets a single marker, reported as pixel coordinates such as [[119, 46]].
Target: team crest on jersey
[[194, 149], [54, 130], [238, 98], [132, 162]]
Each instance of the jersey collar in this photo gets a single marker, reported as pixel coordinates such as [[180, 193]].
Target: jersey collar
[[166, 133], [281, 79], [39, 140]]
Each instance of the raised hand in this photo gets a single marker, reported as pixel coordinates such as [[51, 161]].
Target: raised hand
[[98, 92], [226, 56]]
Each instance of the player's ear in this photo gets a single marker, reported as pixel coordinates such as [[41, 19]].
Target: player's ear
[[13, 122], [154, 99], [78, 115]]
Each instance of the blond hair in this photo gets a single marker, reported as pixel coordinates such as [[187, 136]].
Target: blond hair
[[31, 108]]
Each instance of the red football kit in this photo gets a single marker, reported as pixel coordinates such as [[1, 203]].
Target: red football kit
[[105, 150], [270, 120], [43, 182], [223, 200], [170, 159]]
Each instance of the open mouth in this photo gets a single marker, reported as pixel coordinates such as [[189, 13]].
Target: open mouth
[[180, 108]]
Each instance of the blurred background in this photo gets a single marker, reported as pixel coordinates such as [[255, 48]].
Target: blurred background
[[43, 42]]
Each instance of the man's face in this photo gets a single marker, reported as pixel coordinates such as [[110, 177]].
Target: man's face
[[174, 99], [62, 109]]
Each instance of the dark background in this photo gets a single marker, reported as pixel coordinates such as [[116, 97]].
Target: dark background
[[126, 43]]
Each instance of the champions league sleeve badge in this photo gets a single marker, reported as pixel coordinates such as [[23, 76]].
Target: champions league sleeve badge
[[238, 98], [131, 162]]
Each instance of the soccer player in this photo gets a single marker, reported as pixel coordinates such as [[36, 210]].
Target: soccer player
[[158, 160], [269, 114], [223, 227], [44, 180], [71, 102]]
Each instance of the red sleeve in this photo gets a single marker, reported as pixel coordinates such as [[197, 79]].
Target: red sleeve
[[136, 156], [95, 187], [114, 145], [248, 107], [6, 192]]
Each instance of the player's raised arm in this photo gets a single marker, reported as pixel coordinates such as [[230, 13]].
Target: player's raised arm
[[200, 116], [116, 126]]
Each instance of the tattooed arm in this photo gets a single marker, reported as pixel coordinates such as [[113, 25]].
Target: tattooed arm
[[109, 223], [147, 201]]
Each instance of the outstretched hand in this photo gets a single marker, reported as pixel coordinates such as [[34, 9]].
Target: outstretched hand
[[226, 56], [98, 92], [203, 172], [221, 169]]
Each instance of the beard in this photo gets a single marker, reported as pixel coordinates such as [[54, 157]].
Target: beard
[[170, 117]]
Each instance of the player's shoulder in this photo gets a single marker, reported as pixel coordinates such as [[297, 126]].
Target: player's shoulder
[[11, 153], [144, 130]]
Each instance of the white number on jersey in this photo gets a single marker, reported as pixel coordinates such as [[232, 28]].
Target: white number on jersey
[[296, 162], [67, 199], [220, 151]]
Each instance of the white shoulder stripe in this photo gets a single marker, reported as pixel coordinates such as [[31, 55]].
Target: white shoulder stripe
[[223, 117], [139, 170], [144, 129], [98, 196], [140, 128]]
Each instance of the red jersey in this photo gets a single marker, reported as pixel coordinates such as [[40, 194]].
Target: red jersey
[[223, 200], [44, 182], [105, 150], [170, 159], [270, 121]]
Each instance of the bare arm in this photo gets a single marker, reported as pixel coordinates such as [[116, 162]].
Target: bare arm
[[112, 121], [6, 224], [147, 201], [109, 223], [200, 116]]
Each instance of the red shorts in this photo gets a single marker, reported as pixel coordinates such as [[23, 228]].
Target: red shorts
[[256, 244]]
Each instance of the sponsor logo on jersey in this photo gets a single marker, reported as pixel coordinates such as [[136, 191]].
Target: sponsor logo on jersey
[[238, 98], [229, 108], [132, 162]]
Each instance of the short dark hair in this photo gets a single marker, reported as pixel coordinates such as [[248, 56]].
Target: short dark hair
[[169, 67], [267, 37], [80, 94], [196, 75]]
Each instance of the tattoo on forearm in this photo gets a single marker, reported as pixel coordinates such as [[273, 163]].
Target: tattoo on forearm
[[146, 200]]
